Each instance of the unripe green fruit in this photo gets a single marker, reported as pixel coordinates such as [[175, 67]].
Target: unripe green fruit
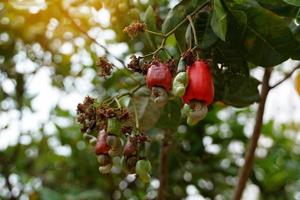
[[180, 83], [198, 112], [186, 110], [143, 169]]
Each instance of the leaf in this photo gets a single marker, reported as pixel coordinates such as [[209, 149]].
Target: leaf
[[150, 19], [298, 17], [179, 12], [147, 111], [205, 35], [236, 89], [268, 34], [170, 117], [219, 20], [293, 2]]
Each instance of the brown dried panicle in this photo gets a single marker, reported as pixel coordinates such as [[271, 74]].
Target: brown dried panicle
[[189, 57], [86, 114], [105, 67], [136, 66], [134, 29]]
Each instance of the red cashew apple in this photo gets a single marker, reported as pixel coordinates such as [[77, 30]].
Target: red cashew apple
[[101, 146], [200, 83], [159, 75]]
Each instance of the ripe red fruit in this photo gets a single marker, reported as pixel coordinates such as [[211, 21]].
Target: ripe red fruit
[[159, 75], [130, 148], [200, 86], [101, 146]]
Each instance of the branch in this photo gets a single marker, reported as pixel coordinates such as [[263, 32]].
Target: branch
[[165, 35], [246, 169], [287, 76], [84, 32], [164, 157]]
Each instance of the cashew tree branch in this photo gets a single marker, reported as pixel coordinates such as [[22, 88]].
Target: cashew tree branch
[[164, 161], [249, 157], [287, 76]]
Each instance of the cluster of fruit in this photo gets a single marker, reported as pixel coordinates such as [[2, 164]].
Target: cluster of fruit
[[116, 137], [193, 82]]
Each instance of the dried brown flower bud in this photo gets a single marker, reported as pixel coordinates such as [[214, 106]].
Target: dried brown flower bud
[[134, 29], [105, 67]]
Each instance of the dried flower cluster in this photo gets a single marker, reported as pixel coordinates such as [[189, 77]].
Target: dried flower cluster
[[105, 67], [134, 29], [136, 66], [94, 117]]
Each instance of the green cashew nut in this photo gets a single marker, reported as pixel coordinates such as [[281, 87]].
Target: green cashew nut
[[196, 114], [180, 83]]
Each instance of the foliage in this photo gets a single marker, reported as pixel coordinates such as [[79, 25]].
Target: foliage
[[237, 35]]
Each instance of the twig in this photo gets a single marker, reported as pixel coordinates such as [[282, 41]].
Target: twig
[[249, 157], [287, 76], [164, 160], [173, 30], [84, 32], [193, 29], [111, 99]]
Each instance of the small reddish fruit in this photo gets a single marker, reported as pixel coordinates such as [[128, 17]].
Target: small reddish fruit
[[130, 148], [159, 75], [200, 83], [101, 146]]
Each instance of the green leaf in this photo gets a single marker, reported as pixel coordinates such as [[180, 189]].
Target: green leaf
[[150, 19], [170, 117], [219, 20], [236, 89], [147, 111], [293, 2], [179, 12], [298, 17], [268, 34], [205, 35]]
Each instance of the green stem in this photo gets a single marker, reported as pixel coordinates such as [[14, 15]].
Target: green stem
[[155, 33], [173, 30], [111, 99]]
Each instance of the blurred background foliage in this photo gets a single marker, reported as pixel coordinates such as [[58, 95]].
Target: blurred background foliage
[[48, 54]]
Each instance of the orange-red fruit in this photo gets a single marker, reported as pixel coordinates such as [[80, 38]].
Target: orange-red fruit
[[200, 86], [101, 146], [159, 75]]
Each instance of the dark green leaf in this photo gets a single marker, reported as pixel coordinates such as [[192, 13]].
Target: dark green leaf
[[170, 117], [267, 34], [150, 19], [236, 89], [179, 12], [219, 20]]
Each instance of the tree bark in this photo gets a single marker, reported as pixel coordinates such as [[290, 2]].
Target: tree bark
[[164, 160]]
